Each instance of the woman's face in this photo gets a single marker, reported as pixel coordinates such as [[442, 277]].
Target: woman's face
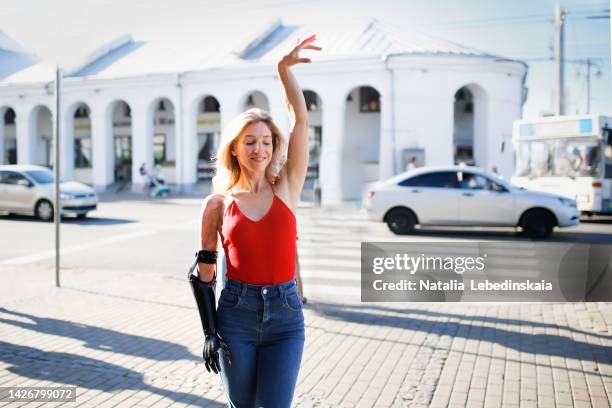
[[253, 148]]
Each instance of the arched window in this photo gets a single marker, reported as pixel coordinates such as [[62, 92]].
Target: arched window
[[369, 100], [9, 117], [210, 105], [82, 138]]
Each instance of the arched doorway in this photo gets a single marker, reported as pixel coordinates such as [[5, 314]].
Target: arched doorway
[[361, 151], [256, 99], [121, 125], [8, 136], [83, 159], [208, 129], [164, 139], [41, 125], [463, 127], [470, 136], [315, 139]]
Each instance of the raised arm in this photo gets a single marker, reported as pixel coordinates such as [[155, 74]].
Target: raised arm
[[297, 154], [211, 217]]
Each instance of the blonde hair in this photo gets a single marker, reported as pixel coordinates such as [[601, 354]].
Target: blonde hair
[[227, 168]]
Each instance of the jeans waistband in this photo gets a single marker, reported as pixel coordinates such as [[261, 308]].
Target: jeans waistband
[[247, 289]]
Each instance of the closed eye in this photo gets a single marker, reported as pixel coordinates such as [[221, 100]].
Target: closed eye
[[250, 143]]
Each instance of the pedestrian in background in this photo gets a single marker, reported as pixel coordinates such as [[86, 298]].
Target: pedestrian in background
[[412, 164], [144, 175], [159, 175]]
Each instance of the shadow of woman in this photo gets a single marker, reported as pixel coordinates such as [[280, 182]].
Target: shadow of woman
[[99, 338], [84, 372]]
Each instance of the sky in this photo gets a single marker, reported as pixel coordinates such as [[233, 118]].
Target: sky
[[66, 30]]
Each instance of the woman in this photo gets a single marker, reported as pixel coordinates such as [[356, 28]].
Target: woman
[[256, 337]]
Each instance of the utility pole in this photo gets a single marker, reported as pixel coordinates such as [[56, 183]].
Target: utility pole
[[57, 200], [588, 79], [559, 19]]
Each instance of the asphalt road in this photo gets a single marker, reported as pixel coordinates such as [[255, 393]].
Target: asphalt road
[[155, 234], [160, 236]]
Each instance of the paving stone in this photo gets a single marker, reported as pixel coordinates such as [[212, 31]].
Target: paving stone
[[121, 349]]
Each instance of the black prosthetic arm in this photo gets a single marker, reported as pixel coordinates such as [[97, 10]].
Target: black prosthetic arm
[[204, 294]]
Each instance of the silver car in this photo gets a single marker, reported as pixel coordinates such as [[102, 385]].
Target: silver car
[[29, 190]]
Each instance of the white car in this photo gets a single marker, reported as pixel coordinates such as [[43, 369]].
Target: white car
[[465, 196], [29, 190]]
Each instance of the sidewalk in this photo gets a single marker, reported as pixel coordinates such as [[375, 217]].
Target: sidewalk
[[120, 192], [127, 341]]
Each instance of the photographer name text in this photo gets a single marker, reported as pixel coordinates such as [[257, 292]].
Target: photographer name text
[[457, 285]]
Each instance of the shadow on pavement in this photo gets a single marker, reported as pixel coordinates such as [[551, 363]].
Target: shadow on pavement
[[69, 220], [603, 220], [537, 343], [486, 319], [99, 338], [84, 372], [134, 299], [94, 221]]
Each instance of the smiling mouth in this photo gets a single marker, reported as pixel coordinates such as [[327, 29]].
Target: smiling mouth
[[258, 159]]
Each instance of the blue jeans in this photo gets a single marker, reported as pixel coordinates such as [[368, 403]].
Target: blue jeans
[[263, 325]]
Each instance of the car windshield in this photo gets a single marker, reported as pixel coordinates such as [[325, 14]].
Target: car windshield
[[41, 176], [575, 157]]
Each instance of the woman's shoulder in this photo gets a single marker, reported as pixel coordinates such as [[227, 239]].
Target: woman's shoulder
[[216, 201]]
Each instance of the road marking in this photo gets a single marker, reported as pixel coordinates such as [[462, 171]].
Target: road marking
[[332, 292], [22, 260], [350, 276]]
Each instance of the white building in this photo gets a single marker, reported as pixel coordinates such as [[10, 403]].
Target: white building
[[377, 95]]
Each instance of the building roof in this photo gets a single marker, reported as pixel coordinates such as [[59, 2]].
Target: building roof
[[214, 48], [18, 65], [355, 38]]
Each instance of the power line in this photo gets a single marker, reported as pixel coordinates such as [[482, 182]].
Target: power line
[[572, 12]]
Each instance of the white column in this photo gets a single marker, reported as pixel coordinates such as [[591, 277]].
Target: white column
[[330, 165], [189, 149], [142, 144], [388, 149], [278, 111], [482, 137], [227, 115], [25, 146], [230, 109], [436, 136], [501, 116], [2, 136], [102, 147], [67, 145], [179, 139]]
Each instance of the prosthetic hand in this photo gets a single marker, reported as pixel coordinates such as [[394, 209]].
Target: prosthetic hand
[[204, 294]]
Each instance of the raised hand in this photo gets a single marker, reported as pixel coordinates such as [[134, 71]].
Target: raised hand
[[294, 58]]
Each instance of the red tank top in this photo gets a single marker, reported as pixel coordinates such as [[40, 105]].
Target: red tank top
[[260, 252]]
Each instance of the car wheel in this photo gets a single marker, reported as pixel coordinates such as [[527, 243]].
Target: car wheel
[[401, 221], [44, 210], [538, 224]]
